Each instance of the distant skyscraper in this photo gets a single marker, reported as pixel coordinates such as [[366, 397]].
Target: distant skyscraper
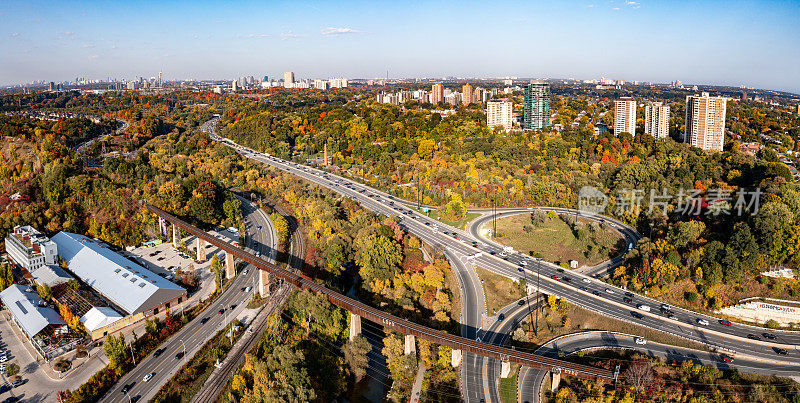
[[656, 120], [498, 114], [467, 95], [744, 96], [234, 85], [537, 106], [437, 93], [625, 116], [288, 79], [51, 86], [160, 80], [338, 83], [798, 109], [705, 121]]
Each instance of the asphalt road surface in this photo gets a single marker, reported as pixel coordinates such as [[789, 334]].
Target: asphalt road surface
[[195, 334]]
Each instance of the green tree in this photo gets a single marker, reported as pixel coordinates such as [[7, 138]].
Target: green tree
[[116, 349], [378, 256], [355, 354]]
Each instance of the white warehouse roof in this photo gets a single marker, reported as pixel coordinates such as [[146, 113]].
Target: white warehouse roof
[[127, 284], [98, 317], [51, 275], [29, 310]]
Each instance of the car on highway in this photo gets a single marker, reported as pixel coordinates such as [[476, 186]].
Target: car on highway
[[521, 302], [586, 280], [501, 317], [702, 322], [5, 388], [724, 322], [203, 321], [610, 291], [753, 337], [248, 288], [148, 377], [768, 336], [637, 315], [584, 289], [627, 299], [126, 388], [727, 358], [158, 352], [179, 355], [556, 278], [643, 307], [221, 311], [245, 271], [595, 292], [258, 254], [781, 351], [640, 341]]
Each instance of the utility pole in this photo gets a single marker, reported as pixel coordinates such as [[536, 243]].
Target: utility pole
[[649, 246], [538, 263], [494, 215]]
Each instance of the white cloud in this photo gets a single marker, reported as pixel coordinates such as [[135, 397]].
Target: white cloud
[[196, 36], [290, 35], [87, 46], [615, 8], [633, 4], [15, 35], [251, 36], [331, 31], [69, 33], [94, 57]]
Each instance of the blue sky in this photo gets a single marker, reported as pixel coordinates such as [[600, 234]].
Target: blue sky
[[753, 43]]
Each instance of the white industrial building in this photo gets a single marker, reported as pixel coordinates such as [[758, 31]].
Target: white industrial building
[[128, 285], [42, 325]]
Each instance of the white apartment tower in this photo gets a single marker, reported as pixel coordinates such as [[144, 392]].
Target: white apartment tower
[[288, 79], [656, 120], [705, 121], [625, 116], [499, 113]]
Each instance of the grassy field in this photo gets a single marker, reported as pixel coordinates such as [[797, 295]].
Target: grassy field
[[499, 290], [554, 240], [508, 386]]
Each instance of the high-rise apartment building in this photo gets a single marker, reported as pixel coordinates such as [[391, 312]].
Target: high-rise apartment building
[[437, 93], [625, 116], [537, 106], [467, 95], [499, 114], [705, 121], [234, 85], [288, 79], [656, 120], [798, 109]]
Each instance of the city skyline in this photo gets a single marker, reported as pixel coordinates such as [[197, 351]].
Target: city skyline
[[733, 45]]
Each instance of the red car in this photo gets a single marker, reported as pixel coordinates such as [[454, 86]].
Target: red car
[[725, 322], [727, 358], [556, 278]]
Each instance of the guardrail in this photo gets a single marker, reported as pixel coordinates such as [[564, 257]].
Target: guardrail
[[393, 322]]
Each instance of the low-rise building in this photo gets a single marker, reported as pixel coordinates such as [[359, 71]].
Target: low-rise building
[[41, 325], [30, 249]]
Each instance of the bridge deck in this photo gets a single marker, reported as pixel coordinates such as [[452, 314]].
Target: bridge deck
[[393, 322]]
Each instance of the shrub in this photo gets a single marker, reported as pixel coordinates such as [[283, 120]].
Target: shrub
[[773, 324], [690, 296]]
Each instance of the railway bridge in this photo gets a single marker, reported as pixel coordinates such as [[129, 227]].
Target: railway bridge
[[410, 329]]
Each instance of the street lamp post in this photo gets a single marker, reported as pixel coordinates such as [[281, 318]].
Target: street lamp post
[[184, 348], [538, 263], [649, 246]]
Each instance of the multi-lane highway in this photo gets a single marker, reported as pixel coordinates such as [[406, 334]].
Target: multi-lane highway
[[196, 333], [735, 339]]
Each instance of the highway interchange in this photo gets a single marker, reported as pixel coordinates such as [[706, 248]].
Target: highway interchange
[[464, 248], [193, 335]]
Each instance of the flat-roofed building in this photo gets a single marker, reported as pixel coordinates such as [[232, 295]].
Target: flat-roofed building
[[128, 285], [29, 249], [705, 121], [656, 120], [625, 116], [499, 113]]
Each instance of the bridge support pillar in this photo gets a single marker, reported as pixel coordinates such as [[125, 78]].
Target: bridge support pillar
[[555, 381], [201, 250], [230, 265], [411, 345], [263, 283], [355, 326], [456, 358], [176, 236], [505, 369]]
